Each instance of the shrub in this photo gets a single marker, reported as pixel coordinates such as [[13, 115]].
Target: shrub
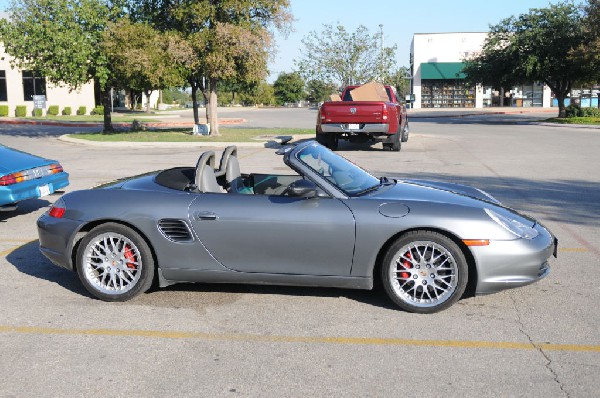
[[3, 110], [590, 112], [38, 112], [573, 110], [99, 110], [21, 111], [66, 111], [52, 110], [82, 110], [136, 125]]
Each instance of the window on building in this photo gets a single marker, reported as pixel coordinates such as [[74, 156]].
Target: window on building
[[3, 95], [33, 84]]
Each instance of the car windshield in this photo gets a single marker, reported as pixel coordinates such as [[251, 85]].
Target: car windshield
[[348, 177]]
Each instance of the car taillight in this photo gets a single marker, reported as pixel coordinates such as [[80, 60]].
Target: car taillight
[[384, 114], [58, 209], [55, 168], [12, 178], [31, 174]]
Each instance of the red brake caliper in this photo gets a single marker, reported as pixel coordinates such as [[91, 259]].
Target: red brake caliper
[[129, 257], [406, 264]]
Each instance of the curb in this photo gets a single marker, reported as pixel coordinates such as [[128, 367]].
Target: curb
[[117, 124], [423, 116], [129, 144]]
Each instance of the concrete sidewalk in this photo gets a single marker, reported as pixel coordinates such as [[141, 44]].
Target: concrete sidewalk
[[466, 112]]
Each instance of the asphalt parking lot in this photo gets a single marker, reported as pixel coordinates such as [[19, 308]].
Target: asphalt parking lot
[[229, 340]]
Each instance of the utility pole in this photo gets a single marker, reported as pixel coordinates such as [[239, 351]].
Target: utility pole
[[381, 53]]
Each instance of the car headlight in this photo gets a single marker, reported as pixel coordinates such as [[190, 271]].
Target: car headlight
[[513, 226]]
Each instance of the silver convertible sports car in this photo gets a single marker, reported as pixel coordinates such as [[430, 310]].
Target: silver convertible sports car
[[327, 223]]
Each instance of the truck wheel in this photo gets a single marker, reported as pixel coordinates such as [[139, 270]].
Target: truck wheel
[[333, 142], [329, 140], [396, 144], [405, 133]]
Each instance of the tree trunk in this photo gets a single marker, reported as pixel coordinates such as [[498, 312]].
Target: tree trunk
[[195, 100], [148, 93], [105, 95], [212, 117], [562, 112], [560, 88]]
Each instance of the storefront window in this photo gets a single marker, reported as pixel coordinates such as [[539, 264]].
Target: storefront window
[[3, 95], [33, 84], [447, 94], [585, 97]]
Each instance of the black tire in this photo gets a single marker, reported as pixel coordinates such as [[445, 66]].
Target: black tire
[[405, 132], [334, 140], [414, 283], [329, 140], [396, 144], [115, 263]]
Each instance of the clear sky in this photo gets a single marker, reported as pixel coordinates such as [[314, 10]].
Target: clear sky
[[400, 19]]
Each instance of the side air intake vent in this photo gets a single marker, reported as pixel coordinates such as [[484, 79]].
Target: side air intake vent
[[175, 230]]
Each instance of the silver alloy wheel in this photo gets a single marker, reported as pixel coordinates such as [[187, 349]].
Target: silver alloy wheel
[[112, 263], [423, 274]]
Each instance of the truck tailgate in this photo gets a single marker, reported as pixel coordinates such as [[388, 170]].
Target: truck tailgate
[[352, 112]]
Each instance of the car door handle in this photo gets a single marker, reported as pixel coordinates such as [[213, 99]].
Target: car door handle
[[205, 215]]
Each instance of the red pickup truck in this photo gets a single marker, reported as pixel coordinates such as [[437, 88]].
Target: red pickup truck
[[363, 121]]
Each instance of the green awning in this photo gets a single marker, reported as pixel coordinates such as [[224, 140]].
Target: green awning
[[442, 70]]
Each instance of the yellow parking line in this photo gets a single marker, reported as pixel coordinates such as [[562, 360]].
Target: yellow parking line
[[15, 240], [573, 249], [12, 249], [300, 339]]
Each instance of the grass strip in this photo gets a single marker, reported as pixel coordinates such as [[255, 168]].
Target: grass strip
[[574, 120], [184, 135], [92, 118]]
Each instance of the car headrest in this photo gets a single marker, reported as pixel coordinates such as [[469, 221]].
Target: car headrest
[[229, 152]]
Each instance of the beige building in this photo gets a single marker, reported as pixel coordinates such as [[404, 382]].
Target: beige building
[[17, 87]]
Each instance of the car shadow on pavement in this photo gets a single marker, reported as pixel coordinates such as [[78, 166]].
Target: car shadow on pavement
[[375, 297], [346, 146], [24, 207], [28, 260]]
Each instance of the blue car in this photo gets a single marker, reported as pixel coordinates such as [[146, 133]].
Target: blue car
[[25, 176]]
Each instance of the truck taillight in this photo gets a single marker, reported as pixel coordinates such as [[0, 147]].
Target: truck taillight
[[384, 114]]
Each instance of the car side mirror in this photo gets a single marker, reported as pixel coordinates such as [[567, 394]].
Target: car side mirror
[[302, 189]]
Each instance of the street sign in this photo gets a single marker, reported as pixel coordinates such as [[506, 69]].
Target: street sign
[[39, 102]]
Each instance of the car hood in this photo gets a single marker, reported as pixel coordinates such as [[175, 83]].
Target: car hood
[[406, 191], [458, 189], [12, 160], [429, 192]]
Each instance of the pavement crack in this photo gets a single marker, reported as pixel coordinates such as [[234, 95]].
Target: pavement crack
[[538, 348]]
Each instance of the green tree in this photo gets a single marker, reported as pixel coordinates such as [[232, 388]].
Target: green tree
[[231, 40], [174, 95], [319, 91], [144, 59], [336, 55], [261, 94], [289, 87], [536, 46], [401, 80], [588, 54], [60, 39]]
